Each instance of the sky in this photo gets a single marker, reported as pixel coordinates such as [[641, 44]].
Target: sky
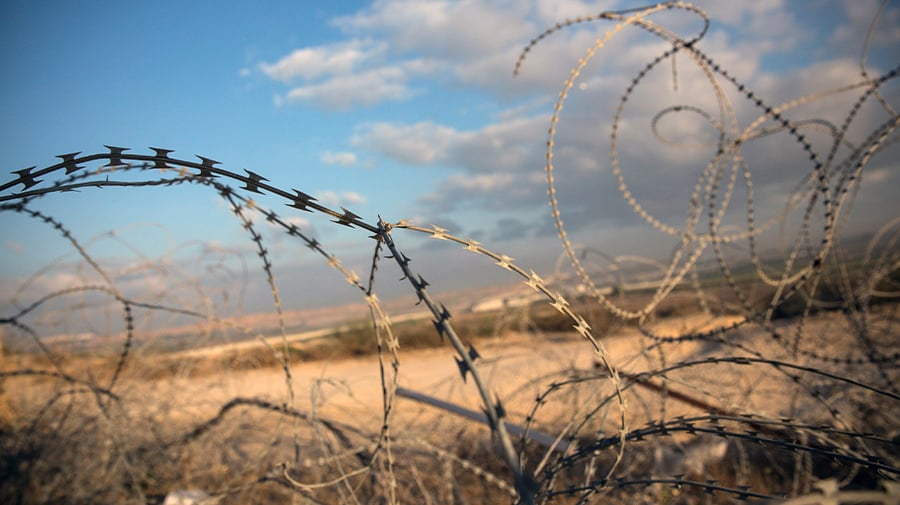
[[406, 110]]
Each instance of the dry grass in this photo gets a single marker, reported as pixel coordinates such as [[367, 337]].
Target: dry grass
[[180, 428], [750, 380]]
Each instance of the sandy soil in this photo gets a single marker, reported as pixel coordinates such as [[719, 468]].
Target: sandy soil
[[517, 368], [577, 397]]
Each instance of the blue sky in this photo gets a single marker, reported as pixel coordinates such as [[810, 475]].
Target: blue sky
[[404, 110]]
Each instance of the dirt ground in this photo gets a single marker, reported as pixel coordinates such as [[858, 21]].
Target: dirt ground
[[517, 368], [552, 383]]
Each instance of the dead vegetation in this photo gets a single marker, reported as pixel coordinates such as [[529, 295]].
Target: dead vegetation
[[753, 380]]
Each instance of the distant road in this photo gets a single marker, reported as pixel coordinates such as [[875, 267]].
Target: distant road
[[276, 341]]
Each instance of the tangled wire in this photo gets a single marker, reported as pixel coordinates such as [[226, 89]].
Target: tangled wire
[[785, 376]]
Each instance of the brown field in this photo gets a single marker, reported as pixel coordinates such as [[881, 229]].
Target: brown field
[[759, 362], [228, 419]]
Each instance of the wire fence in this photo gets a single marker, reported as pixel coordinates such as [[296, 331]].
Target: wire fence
[[630, 380]]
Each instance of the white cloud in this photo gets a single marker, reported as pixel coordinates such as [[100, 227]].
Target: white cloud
[[353, 198], [328, 59], [483, 183], [550, 12], [342, 158], [329, 198], [472, 46], [741, 13], [451, 30], [859, 17], [298, 221], [474, 43], [334, 199], [501, 146], [422, 143], [343, 91], [344, 74]]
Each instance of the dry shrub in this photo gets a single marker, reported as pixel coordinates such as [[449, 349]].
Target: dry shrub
[[790, 360]]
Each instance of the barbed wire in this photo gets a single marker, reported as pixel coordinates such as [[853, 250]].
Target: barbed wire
[[799, 378]]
